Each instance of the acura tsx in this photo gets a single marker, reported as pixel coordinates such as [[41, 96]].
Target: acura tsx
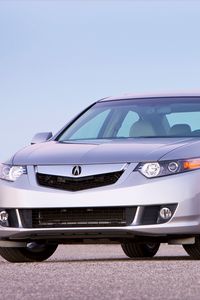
[[125, 170]]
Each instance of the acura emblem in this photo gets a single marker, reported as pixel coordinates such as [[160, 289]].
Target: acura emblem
[[76, 170]]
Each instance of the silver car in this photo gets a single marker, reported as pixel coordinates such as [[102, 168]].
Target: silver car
[[125, 170]]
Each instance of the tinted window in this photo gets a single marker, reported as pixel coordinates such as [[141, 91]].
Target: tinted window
[[190, 118], [136, 118], [91, 128], [127, 123]]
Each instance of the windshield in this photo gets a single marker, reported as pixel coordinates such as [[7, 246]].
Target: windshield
[[137, 118]]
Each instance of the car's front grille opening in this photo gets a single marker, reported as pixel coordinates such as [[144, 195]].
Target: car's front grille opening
[[11, 218], [77, 217], [151, 214], [78, 184]]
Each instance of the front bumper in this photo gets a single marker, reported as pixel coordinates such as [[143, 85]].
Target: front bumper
[[132, 189]]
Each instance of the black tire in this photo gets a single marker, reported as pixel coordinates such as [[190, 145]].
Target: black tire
[[194, 249], [136, 250], [34, 253]]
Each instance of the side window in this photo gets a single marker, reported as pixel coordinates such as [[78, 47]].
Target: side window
[[91, 129], [190, 118], [129, 120]]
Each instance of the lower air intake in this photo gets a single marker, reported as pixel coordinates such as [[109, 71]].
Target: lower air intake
[[77, 217]]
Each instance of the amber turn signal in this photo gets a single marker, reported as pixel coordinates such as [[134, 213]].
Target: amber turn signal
[[191, 164]]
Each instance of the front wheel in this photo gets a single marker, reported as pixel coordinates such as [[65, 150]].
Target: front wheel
[[34, 252], [136, 250]]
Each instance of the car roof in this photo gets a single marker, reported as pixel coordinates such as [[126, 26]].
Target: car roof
[[156, 95]]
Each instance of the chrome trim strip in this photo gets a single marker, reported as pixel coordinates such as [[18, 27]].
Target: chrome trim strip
[[138, 215], [87, 170], [18, 218]]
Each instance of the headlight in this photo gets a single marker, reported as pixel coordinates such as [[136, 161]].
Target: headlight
[[11, 173], [164, 168]]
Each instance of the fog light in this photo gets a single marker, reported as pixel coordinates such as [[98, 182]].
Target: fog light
[[165, 213], [3, 216]]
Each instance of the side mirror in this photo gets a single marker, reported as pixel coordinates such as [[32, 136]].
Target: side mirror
[[41, 137]]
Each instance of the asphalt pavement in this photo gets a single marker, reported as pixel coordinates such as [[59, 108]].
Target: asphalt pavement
[[103, 272]]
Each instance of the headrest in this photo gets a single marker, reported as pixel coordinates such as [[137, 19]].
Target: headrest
[[180, 130], [141, 128]]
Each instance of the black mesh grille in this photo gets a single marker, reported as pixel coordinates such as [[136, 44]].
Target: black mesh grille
[[77, 184], [77, 217]]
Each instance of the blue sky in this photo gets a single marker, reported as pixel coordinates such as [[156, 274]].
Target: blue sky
[[56, 57]]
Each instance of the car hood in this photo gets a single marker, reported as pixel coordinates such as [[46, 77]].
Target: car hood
[[137, 150]]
